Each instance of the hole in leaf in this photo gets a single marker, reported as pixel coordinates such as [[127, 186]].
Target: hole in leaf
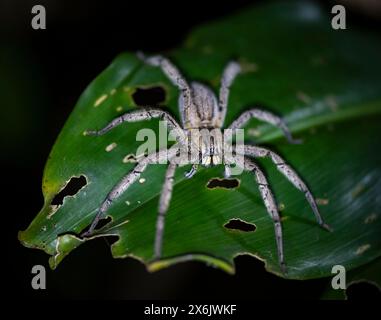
[[149, 96], [222, 183], [72, 187], [111, 239], [103, 222], [240, 225]]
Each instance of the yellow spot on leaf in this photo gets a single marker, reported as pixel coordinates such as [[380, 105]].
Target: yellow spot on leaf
[[53, 210], [362, 249], [128, 89], [111, 147], [322, 202], [130, 158], [247, 66], [254, 132], [142, 180], [119, 109], [100, 100]]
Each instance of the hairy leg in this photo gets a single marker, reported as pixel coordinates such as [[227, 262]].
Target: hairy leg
[[265, 116], [230, 73], [290, 174], [192, 171], [140, 115], [271, 207], [165, 199], [126, 182], [187, 112], [227, 172]]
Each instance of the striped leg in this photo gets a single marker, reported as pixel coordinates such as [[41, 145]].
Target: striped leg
[[188, 114], [265, 116], [140, 115], [165, 199], [230, 73], [271, 207], [290, 174], [126, 182]]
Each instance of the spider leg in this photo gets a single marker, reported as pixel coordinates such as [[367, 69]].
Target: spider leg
[[265, 116], [271, 207], [126, 182], [290, 174], [165, 199], [139, 115], [228, 77], [173, 74], [227, 172], [192, 171]]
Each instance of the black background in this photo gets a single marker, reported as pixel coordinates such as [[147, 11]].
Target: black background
[[42, 74]]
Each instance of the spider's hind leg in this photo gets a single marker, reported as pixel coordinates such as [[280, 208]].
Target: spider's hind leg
[[271, 207], [118, 190], [165, 199], [291, 176], [126, 182]]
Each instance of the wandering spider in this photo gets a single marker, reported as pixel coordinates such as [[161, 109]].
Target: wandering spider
[[200, 109]]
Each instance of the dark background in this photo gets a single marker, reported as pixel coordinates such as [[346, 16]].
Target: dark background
[[42, 74]]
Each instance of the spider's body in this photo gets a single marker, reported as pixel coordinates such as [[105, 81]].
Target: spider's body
[[200, 135]]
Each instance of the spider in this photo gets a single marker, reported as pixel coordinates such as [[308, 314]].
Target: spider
[[200, 109]]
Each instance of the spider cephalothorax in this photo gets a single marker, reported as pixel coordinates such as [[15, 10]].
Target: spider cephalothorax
[[201, 140]]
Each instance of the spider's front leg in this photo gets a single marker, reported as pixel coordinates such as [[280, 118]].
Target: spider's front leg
[[140, 115], [188, 113], [265, 116], [228, 76], [126, 182]]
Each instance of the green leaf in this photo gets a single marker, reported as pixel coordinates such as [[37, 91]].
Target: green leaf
[[326, 85]]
